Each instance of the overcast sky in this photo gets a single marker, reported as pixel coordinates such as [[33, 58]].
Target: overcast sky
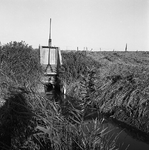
[[105, 24]]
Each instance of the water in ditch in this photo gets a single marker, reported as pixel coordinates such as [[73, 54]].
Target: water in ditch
[[127, 138]]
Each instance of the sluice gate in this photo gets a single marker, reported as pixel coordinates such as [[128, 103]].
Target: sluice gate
[[51, 60]]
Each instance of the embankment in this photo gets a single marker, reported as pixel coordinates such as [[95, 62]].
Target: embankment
[[116, 83]]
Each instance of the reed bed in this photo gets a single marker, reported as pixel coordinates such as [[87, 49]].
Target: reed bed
[[115, 83], [29, 120]]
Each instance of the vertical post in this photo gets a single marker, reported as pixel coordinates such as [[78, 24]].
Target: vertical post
[[126, 48], [49, 42]]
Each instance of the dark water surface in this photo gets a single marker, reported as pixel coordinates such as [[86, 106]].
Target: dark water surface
[[127, 137]]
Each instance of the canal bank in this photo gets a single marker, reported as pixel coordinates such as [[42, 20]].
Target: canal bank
[[125, 136]]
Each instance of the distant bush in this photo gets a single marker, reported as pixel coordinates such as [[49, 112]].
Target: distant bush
[[19, 64]]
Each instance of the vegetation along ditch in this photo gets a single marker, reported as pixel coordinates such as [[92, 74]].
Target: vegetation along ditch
[[106, 105]]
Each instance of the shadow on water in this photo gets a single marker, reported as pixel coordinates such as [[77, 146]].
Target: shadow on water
[[128, 137]]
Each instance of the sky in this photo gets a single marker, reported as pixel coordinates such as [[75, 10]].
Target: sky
[[95, 24]]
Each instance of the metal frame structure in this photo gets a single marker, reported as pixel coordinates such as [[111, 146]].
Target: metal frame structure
[[51, 60]]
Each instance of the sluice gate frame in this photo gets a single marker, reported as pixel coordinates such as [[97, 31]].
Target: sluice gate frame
[[51, 60]]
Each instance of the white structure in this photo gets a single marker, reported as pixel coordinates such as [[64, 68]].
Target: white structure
[[50, 59]]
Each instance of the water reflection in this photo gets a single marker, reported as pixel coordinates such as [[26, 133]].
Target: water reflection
[[127, 137]]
